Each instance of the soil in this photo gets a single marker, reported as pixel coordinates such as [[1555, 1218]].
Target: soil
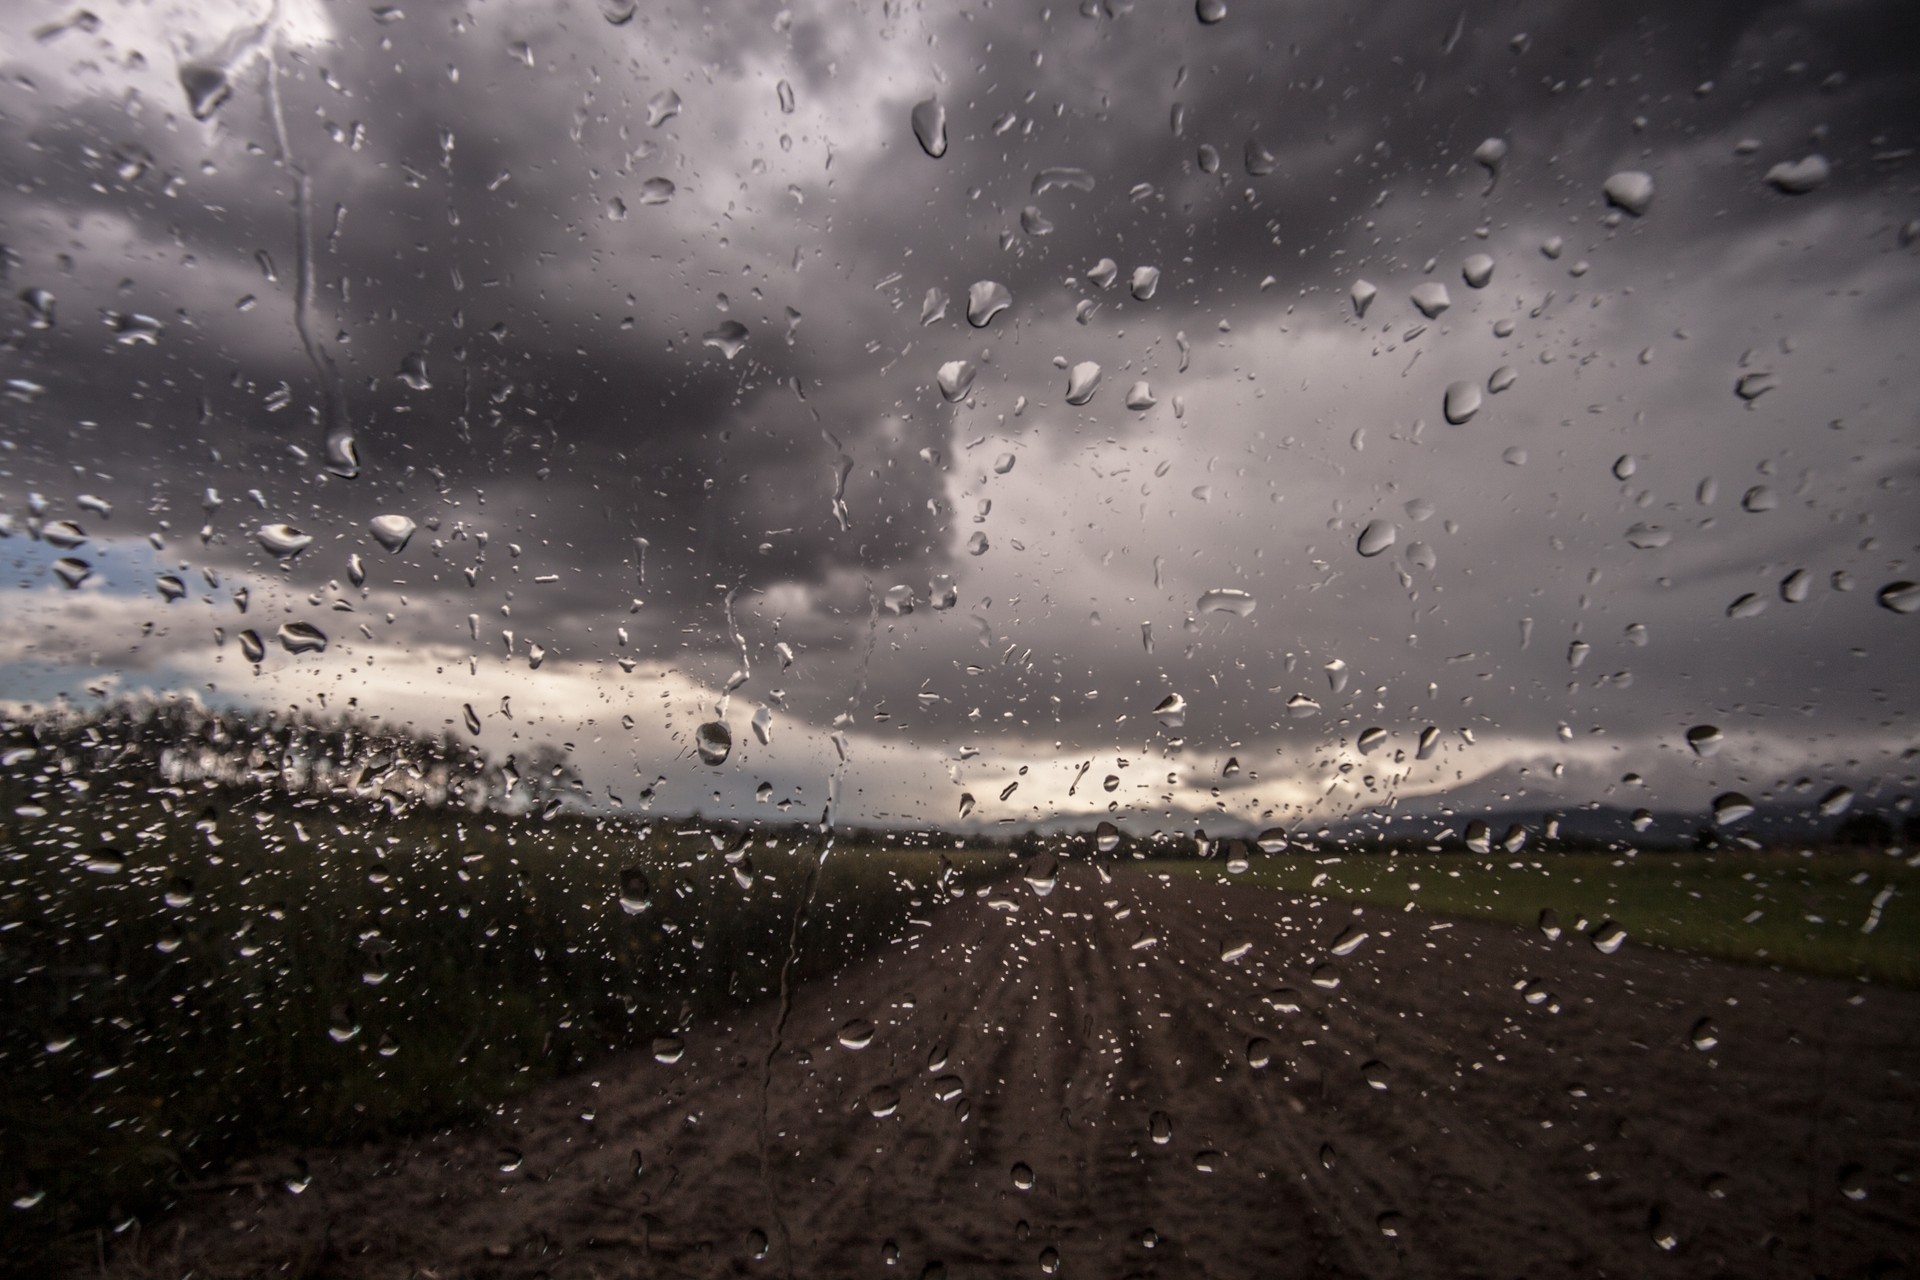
[[1469, 1100]]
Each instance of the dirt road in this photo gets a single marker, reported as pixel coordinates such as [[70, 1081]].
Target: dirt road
[[1067, 1082]]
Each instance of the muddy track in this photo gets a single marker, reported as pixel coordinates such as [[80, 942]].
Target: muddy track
[[1424, 1117]]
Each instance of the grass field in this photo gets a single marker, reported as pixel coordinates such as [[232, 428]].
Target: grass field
[[194, 977], [1806, 912]]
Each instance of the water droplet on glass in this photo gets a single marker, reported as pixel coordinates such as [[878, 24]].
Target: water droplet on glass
[[1363, 296], [392, 532], [1900, 597], [1034, 222], [856, 1034], [1749, 605], [985, 300], [727, 337], [252, 647], [1256, 159], [1705, 740], [301, 637], [1082, 381], [413, 371], [1145, 281], [1140, 396], [1704, 1035], [1208, 158], [1104, 273], [1066, 178], [956, 378], [930, 127], [977, 544], [282, 540], [1797, 177], [1106, 837], [1629, 190], [1462, 402], [1501, 379], [1730, 807], [1549, 924], [1490, 153], [1209, 11], [668, 1050], [1648, 537], [40, 308], [662, 107], [1171, 711], [1477, 270], [1160, 1128], [1231, 600], [784, 92], [1607, 937], [714, 741], [1431, 298], [1836, 802], [656, 191], [1376, 537], [206, 85], [1377, 1075]]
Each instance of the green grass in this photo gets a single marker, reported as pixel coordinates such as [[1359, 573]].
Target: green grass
[[263, 971], [1810, 907]]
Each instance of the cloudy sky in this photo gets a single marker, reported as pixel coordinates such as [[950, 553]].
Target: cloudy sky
[[640, 314]]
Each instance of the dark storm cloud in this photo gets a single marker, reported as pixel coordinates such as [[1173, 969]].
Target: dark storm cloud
[[574, 408]]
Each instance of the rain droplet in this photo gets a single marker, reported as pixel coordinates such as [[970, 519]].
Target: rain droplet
[[1795, 586], [727, 337], [1066, 178], [856, 1034], [1371, 740], [1629, 190], [1160, 1128], [1209, 11], [1490, 153], [392, 532], [1607, 937], [934, 307], [1462, 402], [471, 717], [1259, 1053], [977, 544], [1431, 298], [1034, 222], [63, 534], [714, 741], [413, 371], [1751, 386], [956, 378], [1104, 273], [283, 540], [1704, 1035], [301, 637], [1376, 537], [662, 107], [985, 300], [1231, 600], [1140, 396], [1648, 537], [1705, 740], [40, 308], [1082, 380], [656, 191], [1549, 924], [1730, 807], [1477, 270], [784, 92], [1145, 281], [1501, 379], [1363, 296], [668, 1050], [252, 647], [1171, 711], [1749, 605], [1836, 802], [1106, 837], [206, 85], [1797, 177], [1901, 597], [930, 127]]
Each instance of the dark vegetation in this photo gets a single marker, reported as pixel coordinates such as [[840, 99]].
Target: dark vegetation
[[220, 933]]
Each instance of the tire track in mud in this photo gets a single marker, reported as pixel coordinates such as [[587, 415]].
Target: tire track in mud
[[1567, 1136]]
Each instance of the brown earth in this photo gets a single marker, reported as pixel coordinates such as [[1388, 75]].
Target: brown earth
[[1421, 1118]]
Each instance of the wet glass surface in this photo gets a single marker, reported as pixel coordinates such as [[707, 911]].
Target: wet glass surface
[[1116, 638]]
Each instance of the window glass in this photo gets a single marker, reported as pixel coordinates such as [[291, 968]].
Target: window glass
[[1124, 637]]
